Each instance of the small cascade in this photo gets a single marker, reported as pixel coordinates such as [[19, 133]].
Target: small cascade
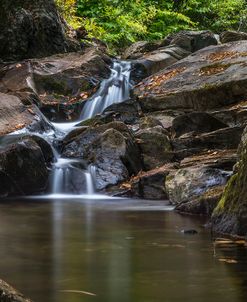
[[116, 89], [69, 175]]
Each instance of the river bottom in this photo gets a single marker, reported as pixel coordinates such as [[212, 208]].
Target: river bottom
[[115, 251]]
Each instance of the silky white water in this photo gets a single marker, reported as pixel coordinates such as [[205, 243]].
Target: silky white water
[[70, 176]]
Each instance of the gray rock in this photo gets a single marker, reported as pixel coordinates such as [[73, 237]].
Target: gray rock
[[32, 29], [208, 79], [138, 49], [59, 84], [196, 122], [188, 183], [24, 164], [9, 294], [231, 36], [155, 147], [110, 148], [13, 114]]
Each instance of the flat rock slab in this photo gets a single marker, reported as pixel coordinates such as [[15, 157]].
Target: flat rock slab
[[210, 78], [64, 79], [13, 114]]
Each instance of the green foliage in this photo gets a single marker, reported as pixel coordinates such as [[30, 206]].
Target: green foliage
[[120, 23], [217, 15]]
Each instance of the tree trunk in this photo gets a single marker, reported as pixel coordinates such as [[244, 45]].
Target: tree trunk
[[31, 28]]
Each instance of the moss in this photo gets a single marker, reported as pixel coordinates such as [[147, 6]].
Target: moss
[[229, 191]]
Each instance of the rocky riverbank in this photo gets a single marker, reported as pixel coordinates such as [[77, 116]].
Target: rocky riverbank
[[176, 137]]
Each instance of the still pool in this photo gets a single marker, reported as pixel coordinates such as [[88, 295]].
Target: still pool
[[115, 251]]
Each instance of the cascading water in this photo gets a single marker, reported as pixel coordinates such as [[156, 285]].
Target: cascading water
[[116, 89], [70, 176]]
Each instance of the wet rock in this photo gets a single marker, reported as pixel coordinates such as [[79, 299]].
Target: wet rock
[[155, 61], [32, 29], [128, 111], [204, 204], [188, 183], [192, 40], [155, 146], [13, 114], [234, 115], [138, 49], [231, 36], [149, 122], [111, 149], [58, 84], [165, 117], [222, 139], [23, 165], [9, 294], [196, 122], [189, 232], [219, 159], [210, 78], [149, 185]]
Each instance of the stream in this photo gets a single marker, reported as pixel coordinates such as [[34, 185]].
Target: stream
[[73, 245], [115, 251]]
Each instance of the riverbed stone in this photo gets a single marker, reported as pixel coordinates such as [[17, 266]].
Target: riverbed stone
[[9, 294], [111, 148], [188, 183], [13, 114], [230, 36], [203, 204], [196, 122], [192, 40], [58, 84], [149, 185], [138, 49], [208, 79], [155, 146], [23, 165], [222, 139]]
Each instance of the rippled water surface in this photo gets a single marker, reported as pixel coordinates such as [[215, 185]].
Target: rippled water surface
[[115, 251]]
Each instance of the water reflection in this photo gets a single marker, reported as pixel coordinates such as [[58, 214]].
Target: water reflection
[[114, 250]]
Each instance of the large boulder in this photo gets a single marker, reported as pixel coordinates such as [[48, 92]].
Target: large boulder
[[13, 114], [222, 139], [188, 183], [58, 84], [196, 122], [138, 49], [230, 216], [155, 146], [24, 165], [203, 204], [110, 148], [231, 36], [32, 29], [191, 40], [157, 60], [151, 57], [210, 78], [149, 185]]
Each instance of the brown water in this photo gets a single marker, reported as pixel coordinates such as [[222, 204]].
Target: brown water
[[117, 251]]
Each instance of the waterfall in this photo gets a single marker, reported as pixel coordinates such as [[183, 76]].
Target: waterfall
[[116, 89], [71, 176]]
